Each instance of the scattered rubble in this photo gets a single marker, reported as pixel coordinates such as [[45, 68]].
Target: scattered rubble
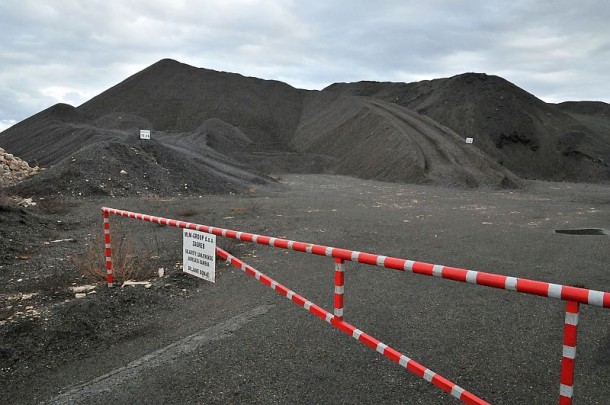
[[25, 202], [146, 284], [13, 170], [82, 288]]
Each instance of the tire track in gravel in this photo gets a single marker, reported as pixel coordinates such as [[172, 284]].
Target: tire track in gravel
[[108, 382]]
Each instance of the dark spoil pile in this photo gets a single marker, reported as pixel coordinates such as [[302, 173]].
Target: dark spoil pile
[[134, 167], [531, 138], [234, 126]]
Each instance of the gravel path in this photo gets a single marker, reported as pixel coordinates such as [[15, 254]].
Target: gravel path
[[500, 345]]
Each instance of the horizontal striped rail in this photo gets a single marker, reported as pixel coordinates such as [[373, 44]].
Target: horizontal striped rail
[[522, 285], [362, 337]]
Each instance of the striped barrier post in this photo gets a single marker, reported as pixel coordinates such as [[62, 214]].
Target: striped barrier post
[[566, 388], [339, 289], [107, 250], [364, 338]]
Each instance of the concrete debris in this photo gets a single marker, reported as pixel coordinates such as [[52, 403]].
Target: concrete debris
[[13, 170], [26, 202], [82, 288], [146, 284]]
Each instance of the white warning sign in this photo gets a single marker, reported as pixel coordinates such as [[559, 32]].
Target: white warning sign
[[469, 140], [199, 254], [145, 134]]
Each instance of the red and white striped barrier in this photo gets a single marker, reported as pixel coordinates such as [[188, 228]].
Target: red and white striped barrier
[[573, 295], [566, 387], [522, 285], [364, 338]]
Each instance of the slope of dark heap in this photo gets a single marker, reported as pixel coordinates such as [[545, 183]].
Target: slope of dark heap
[[531, 138], [130, 167], [84, 158], [374, 139], [178, 98], [595, 115], [50, 135]]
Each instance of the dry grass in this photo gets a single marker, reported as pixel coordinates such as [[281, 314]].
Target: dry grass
[[127, 262], [187, 212]]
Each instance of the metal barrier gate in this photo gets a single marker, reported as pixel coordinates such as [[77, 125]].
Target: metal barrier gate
[[572, 295]]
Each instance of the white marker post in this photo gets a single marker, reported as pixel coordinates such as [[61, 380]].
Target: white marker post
[[199, 254], [145, 134]]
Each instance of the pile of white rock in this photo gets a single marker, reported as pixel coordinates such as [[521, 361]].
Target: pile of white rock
[[13, 170]]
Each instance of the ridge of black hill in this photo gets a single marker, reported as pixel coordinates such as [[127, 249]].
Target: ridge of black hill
[[532, 138], [595, 115], [176, 97]]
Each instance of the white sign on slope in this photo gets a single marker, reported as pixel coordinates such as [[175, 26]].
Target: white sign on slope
[[199, 254], [145, 134], [469, 140]]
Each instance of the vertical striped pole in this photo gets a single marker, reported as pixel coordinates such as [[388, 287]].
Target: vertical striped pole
[[339, 289], [107, 249], [566, 388]]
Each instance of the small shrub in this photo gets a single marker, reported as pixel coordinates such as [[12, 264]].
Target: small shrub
[[126, 264], [187, 212]]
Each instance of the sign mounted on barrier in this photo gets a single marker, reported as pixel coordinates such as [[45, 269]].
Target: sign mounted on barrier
[[199, 254]]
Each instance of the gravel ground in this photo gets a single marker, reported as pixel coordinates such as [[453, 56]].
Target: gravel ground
[[187, 341]]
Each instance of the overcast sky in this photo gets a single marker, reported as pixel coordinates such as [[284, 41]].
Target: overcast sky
[[70, 50]]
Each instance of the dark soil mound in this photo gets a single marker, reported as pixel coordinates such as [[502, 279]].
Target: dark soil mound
[[515, 128], [86, 158], [374, 139], [49, 136], [223, 137], [132, 167], [594, 115], [179, 98]]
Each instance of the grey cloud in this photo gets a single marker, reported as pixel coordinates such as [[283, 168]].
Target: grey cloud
[[78, 49]]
